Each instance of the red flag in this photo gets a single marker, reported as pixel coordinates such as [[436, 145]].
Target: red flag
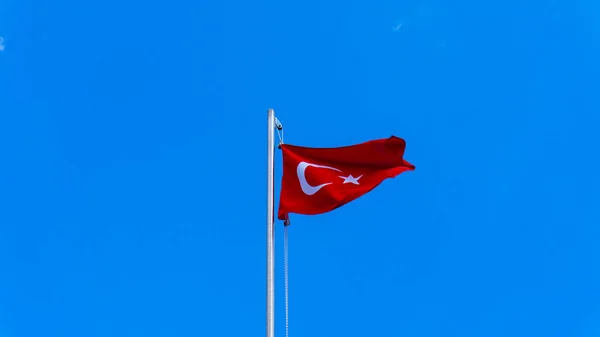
[[319, 180]]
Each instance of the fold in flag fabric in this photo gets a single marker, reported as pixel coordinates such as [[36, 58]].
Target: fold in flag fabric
[[319, 180]]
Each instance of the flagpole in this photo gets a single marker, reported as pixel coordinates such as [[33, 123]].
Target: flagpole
[[270, 225]]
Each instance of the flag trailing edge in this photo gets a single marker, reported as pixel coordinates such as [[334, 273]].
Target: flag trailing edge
[[319, 180]]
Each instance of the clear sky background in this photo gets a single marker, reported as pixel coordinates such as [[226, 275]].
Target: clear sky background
[[133, 167]]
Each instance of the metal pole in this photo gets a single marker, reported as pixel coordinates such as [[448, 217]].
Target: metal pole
[[270, 229]]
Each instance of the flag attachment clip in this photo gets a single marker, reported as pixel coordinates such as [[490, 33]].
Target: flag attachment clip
[[279, 127]]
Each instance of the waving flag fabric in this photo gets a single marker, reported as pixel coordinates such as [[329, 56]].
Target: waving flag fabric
[[319, 180]]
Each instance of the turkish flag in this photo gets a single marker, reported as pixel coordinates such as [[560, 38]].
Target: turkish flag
[[319, 180]]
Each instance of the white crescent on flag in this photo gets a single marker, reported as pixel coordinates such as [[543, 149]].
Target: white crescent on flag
[[306, 187]]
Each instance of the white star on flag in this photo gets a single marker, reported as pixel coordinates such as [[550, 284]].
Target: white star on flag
[[350, 179]]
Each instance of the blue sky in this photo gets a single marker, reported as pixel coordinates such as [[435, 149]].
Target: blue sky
[[133, 167]]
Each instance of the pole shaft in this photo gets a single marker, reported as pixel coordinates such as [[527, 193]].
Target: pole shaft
[[270, 225]]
